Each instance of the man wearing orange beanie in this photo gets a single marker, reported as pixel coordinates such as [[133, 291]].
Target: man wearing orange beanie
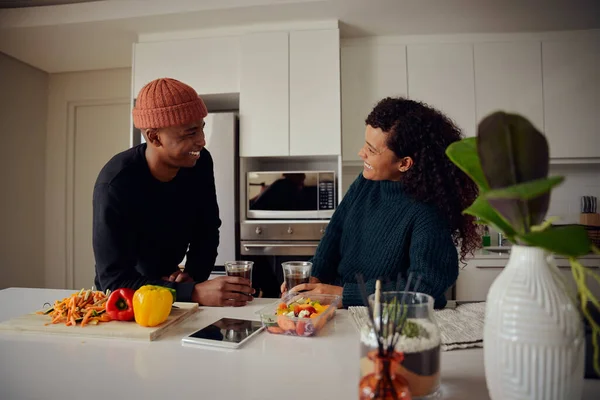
[[154, 200]]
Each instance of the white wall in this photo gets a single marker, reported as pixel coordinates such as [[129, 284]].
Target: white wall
[[66, 90], [23, 107]]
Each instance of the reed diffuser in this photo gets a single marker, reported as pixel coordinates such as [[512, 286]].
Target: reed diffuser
[[387, 322]]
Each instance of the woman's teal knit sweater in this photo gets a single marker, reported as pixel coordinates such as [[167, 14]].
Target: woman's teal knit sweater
[[379, 231]]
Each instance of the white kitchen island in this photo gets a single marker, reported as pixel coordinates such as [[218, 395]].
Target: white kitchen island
[[38, 366]]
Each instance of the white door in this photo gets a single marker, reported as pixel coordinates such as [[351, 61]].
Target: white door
[[442, 76], [100, 132]]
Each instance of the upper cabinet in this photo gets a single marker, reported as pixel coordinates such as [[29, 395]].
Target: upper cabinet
[[209, 65], [370, 72], [315, 120], [571, 71], [508, 77], [264, 95], [442, 76], [290, 94]]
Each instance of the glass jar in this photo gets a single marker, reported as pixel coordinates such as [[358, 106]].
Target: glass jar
[[420, 343]]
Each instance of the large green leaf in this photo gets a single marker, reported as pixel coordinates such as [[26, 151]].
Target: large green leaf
[[482, 209], [526, 191], [569, 241], [512, 151], [464, 154]]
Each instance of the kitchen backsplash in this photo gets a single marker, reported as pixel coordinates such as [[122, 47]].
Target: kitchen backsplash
[[580, 180]]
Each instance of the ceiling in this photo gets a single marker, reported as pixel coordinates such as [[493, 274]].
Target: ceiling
[[100, 34]]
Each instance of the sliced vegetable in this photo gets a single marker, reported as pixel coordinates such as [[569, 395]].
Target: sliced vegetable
[[85, 306]]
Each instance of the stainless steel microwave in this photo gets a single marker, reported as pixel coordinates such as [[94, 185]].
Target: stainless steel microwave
[[290, 194]]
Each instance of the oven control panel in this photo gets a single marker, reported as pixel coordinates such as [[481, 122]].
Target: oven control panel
[[282, 231]]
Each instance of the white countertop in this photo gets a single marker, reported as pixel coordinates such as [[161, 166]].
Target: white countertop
[[323, 367]]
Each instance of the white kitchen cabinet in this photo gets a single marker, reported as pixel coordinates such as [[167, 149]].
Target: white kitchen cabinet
[[442, 76], [370, 72], [315, 120], [476, 278], [264, 95], [508, 77], [290, 94], [209, 65], [571, 73]]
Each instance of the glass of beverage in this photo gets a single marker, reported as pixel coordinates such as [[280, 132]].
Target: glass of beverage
[[243, 269], [296, 273]]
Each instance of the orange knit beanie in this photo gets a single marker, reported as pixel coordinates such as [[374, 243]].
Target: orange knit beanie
[[167, 102]]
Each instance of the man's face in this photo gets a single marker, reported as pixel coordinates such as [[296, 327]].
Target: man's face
[[179, 146]]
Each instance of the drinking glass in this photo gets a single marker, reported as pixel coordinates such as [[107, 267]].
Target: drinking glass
[[296, 273], [243, 269]]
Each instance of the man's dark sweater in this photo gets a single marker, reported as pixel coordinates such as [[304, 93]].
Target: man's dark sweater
[[379, 231], [142, 227]]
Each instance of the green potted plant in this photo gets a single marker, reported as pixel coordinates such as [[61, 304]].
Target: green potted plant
[[532, 322]]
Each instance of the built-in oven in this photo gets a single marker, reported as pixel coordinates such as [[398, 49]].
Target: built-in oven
[[270, 243]]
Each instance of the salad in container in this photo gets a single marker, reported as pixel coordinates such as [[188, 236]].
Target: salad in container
[[296, 314]]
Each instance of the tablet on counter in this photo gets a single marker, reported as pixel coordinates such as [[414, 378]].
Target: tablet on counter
[[230, 333]]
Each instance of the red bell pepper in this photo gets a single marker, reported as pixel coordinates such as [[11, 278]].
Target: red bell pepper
[[119, 305]]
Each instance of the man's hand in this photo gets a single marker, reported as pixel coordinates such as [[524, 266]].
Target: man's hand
[[178, 276], [223, 291], [311, 280]]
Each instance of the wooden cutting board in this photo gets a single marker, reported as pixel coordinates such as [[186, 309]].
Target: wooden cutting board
[[35, 323]]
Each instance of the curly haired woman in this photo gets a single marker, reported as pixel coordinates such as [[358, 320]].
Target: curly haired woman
[[403, 214]]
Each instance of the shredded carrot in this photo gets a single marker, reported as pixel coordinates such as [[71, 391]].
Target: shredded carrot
[[86, 306]]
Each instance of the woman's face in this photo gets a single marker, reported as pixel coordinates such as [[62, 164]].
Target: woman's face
[[380, 163]]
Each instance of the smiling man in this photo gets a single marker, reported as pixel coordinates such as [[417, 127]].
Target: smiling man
[[154, 201]]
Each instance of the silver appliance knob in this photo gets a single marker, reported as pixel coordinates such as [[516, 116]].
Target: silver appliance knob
[[290, 230], [258, 230]]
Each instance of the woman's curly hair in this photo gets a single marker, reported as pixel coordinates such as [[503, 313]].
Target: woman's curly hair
[[423, 133]]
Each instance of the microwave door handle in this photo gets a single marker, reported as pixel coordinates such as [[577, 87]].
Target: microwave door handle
[[263, 245]]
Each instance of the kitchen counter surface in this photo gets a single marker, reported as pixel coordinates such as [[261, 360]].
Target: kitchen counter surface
[[34, 366]]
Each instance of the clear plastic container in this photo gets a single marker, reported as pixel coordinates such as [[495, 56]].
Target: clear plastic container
[[285, 324]]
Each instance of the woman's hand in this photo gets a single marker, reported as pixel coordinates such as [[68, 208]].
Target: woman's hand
[[309, 289], [312, 279]]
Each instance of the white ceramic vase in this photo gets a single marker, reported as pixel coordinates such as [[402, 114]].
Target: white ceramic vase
[[533, 334]]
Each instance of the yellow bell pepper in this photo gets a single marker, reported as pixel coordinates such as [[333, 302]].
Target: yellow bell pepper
[[152, 304]]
